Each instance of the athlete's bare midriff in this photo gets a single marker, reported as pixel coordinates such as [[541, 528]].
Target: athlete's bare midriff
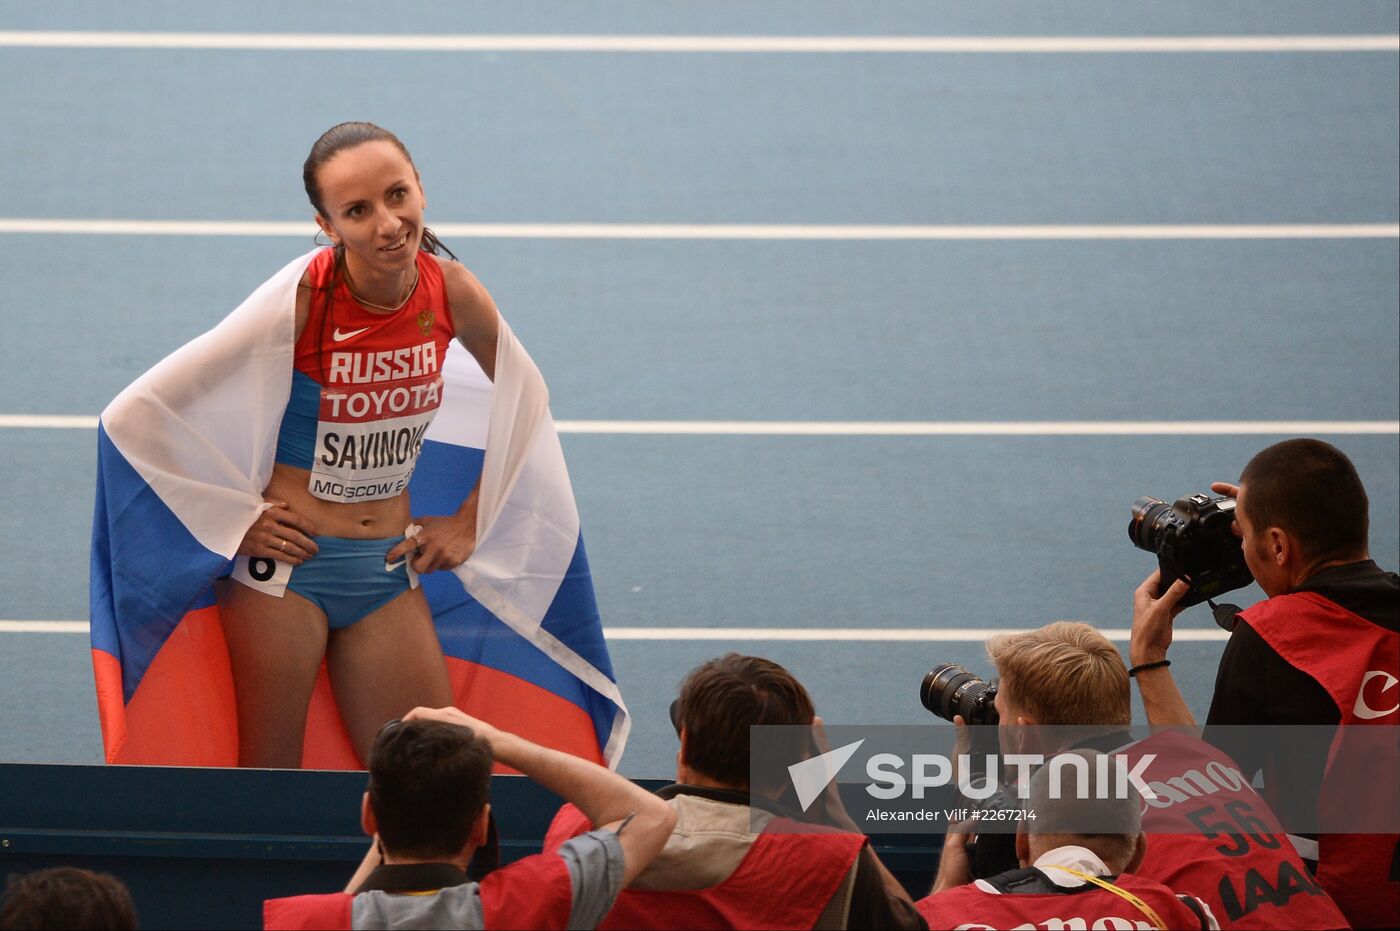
[[361, 520]]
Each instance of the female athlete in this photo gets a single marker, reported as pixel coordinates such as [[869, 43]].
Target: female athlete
[[374, 315]]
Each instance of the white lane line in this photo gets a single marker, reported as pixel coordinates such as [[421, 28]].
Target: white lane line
[[804, 634], [698, 43], [43, 627], [874, 634], [883, 428], [49, 422], [743, 231], [992, 428]]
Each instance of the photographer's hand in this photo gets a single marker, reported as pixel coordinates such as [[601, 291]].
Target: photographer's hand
[[830, 809], [954, 868], [962, 744], [1229, 491], [1151, 638], [1152, 619]]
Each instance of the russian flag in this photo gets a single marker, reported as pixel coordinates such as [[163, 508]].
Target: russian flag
[[183, 455]]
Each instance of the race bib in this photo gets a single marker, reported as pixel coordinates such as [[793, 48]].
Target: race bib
[[265, 575], [374, 413]]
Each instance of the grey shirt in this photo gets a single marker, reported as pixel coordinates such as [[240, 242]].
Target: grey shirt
[[594, 861]]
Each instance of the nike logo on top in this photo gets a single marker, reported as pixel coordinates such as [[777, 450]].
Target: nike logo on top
[[339, 335]]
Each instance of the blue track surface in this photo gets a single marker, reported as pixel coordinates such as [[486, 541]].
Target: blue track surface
[[688, 531]]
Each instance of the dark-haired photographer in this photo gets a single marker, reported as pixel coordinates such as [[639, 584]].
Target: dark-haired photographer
[[1323, 649], [739, 857], [428, 809]]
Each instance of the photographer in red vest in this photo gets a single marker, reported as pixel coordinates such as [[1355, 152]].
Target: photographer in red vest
[[1209, 833], [1323, 649], [428, 809], [737, 858], [1078, 848]]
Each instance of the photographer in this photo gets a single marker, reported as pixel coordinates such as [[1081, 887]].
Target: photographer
[[428, 808], [1323, 649], [1078, 866], [738, 857], [1065, 686]]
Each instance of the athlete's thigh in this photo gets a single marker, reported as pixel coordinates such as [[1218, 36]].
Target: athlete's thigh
[[275, 648], [386, 664], [271, 636]]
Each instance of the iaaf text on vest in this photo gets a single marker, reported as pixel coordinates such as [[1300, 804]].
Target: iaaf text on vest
[[934, 770]]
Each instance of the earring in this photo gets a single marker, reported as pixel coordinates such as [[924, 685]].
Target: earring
[[316, 240]]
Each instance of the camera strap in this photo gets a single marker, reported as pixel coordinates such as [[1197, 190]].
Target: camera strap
[[1119, 891], [1226, 615]]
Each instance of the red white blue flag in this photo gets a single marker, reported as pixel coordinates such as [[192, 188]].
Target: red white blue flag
[[183, 456]]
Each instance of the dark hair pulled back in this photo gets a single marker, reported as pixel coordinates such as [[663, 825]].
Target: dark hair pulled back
[[344, 136]]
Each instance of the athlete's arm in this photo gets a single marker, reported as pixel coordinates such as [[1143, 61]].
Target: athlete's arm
[[303, 312], [281, 533], [447, 541], [475, 319]]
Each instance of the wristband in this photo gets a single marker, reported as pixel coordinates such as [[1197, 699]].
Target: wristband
[[1132, 673]]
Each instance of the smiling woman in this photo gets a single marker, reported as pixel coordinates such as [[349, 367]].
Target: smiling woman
[[329, 568], [256, 560]]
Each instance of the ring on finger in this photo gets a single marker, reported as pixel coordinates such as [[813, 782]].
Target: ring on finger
[[283, 547]]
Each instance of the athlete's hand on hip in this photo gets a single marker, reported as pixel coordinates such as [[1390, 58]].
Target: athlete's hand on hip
[[441, 543], [280, 533]]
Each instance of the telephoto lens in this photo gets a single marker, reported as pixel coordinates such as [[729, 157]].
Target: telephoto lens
[[1151, 517], [949, 689]]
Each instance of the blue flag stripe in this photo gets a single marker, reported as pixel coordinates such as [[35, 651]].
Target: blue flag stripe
[[148, 571]]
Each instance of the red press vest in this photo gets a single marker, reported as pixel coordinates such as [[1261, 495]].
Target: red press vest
[[784, 881], [1248, 872], [531, 893], [970, 907], [1358, 663]]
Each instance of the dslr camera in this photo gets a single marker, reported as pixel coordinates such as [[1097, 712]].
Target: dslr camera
[[949, 689], [1194, 540]]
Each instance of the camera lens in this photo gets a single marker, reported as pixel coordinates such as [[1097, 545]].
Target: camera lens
[[949, 689], [1149, 516]]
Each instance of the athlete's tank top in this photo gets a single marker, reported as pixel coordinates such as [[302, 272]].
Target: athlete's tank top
[[365, 386]]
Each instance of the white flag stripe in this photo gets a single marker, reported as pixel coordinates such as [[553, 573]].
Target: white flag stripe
[[816, 634], [260, 41], [722, 231], [884, 428]]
